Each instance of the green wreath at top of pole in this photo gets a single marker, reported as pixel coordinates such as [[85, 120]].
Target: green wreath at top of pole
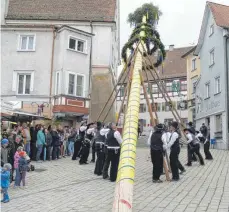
[[151, 39]]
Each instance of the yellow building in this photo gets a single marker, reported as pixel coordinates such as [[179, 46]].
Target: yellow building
[[193, 74]]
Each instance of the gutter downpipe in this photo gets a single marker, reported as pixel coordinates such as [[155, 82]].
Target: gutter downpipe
[[90, 72], [51, 71], [227, 85]]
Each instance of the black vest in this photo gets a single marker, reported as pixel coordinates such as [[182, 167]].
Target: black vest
[[176, 144], [81, 134], [89, 136], [111, 140], [99, 137], [156, 142]]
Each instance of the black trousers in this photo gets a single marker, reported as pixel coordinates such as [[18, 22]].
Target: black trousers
[[48, 152], [99, 162], [77, 147], [174, 163], [84, 153], [55, 152], [93, 151], [195, 149], [112, 158], [157, 160], [33, 151], [208, 155]]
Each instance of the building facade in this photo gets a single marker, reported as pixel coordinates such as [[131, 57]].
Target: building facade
[[212, 88], [193, 74], [174, 71], [54, 55]]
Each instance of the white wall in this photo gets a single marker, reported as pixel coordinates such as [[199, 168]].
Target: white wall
[[71, 61], [39, 61]]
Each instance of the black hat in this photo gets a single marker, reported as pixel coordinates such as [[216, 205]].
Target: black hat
[[190, 123], [187, 129], [159, 127], [99, 124], [174, 124]]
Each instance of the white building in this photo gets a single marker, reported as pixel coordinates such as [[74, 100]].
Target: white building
[[174, 70], [53, 50]]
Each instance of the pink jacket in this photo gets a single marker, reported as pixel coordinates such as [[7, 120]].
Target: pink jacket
[[16, 160]]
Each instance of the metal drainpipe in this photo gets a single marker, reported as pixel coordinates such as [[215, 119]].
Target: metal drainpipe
[[90, 71], [51, 71], [227, 84]]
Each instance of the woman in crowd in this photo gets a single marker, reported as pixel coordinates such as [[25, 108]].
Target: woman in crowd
[[40, 142]]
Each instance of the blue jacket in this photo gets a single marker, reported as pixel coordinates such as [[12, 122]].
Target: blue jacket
[[5, 179], [40, 138]]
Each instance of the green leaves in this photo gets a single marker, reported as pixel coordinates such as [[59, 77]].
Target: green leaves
[[153, 13]]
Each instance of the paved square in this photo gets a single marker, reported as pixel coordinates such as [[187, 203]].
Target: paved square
[[66, 186]]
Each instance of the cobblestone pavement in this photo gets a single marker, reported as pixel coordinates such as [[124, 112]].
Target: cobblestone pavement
[[66, 186]]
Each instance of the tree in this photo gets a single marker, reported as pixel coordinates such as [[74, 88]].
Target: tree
[[148, 8]]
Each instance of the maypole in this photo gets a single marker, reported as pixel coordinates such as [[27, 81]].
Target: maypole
[[146, 34]]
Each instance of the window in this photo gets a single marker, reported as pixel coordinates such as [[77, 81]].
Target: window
[[24, 83], [212, 57], [142, 108], [27, 43], [71, 84], [211, 29], [183, 85], [194, 81], [80, 85], [121, 92], [76, 85], [57, 83], [218, 123], [77, 45], [154, 88], [207, 90], [217, 85], [169, 87], [194, 64]]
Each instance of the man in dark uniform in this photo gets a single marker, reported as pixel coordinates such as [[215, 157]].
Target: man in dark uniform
[[86, 144], [206, 134], [157, 141], [174, 146], [114, 140], [194, 147], [99, 141], [193, 131]]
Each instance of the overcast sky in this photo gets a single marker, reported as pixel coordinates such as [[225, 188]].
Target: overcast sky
[[179, 25]]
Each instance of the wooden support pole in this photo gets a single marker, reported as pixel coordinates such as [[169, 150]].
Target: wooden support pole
[[116, 94], [151, 95], [147, 100], [153, 122], [123, 101], [162, 84]]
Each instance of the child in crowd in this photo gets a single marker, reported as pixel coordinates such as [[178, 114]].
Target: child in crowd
[[16, 166], [5, 181], [23, 167], [4, 150]]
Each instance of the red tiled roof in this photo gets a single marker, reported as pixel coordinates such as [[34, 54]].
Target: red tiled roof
[[66, 10], [220, 13]]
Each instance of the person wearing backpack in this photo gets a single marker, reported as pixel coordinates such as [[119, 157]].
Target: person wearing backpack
[[158, 141]]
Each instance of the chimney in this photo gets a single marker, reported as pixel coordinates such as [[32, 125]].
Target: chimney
[[171, 47]]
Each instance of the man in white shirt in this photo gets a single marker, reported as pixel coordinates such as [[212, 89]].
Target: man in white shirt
[[174, 147], [90, 128], [113, 142], [194, 147]]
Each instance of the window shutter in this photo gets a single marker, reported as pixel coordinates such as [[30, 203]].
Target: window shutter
[[14, 83], [32, 81]]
